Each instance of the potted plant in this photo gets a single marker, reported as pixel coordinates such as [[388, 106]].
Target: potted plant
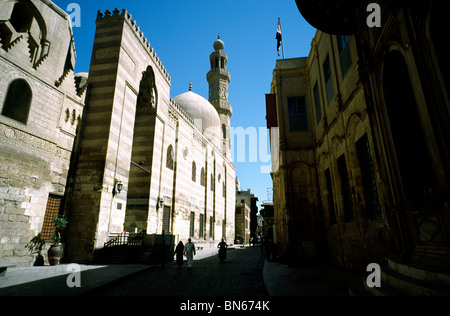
[[55, 252]]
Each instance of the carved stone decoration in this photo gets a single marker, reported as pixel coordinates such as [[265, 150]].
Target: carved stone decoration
[[430, 230]]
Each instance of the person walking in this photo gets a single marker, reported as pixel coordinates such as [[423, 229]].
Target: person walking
[[189, 250], [179, 250], [222, 250]]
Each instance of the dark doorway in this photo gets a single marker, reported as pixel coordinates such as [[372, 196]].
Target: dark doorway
[[406, 129]]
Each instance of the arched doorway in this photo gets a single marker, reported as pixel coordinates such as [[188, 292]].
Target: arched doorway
[[415, 169]]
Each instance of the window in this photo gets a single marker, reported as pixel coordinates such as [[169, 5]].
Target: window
[[200, 233], [224, 131], [170, 157], [317, 103], [18, 101], [212, 182], [166, 220], [224, 228], [345, 190], [211, 226], [345, 55], [331, 209], [328, 79], [192, 223], [203, 177], [368, 178], [194, 172], [52, 210], [298, 118]]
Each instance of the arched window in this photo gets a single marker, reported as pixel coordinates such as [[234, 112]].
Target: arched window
[[18, 101], [194, 172], [203, 177], [212, 182], [170, 157], [224, 131]]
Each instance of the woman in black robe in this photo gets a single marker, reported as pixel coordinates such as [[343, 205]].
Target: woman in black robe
[[179, 250]]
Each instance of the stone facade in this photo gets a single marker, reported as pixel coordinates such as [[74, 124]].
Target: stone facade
[[36, 78], [175, 179], [114, 152], [363, 164]]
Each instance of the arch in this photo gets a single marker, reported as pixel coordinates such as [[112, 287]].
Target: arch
[[194, 171], [203, 177], [18, 101], [170, 158], [224, 131], [21, 17], [406, 130], [355, 125], [148, 93]]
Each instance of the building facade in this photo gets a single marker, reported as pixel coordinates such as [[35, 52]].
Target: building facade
[[246, 213], [168, 155], [111, 150], [363, 162], [41, 105]]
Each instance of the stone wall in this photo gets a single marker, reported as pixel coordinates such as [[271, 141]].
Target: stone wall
[[35, 154]]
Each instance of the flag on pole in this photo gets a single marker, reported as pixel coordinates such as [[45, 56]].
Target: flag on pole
[[279, 37]]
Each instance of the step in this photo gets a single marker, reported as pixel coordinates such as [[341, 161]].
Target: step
[[420, 273], [408, 283], [4, 268], [384, 290]]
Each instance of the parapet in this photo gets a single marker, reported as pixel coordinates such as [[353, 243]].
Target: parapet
[[124, 15]]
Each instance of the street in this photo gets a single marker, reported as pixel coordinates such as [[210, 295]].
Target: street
[[239, 275]]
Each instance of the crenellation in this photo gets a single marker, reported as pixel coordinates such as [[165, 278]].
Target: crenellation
[[140, 35]]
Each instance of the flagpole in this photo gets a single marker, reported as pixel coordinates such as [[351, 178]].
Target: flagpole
[[282, 41]]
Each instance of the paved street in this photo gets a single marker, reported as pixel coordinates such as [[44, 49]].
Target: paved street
[[239, 275]]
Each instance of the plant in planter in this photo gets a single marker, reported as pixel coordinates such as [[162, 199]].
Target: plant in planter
[[55, 252]]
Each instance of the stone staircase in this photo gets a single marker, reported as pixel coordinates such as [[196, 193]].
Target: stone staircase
[[127, 248], [400, 279]]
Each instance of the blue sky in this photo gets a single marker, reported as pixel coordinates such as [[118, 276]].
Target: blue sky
[[183, 32]]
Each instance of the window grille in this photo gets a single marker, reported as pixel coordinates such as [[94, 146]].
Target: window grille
[[368, 178], [53, 210]]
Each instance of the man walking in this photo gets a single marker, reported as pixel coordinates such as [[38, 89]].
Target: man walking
[[189, 249]]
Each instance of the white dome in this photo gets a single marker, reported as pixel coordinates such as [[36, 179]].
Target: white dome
[[199, 109], [201, 112]]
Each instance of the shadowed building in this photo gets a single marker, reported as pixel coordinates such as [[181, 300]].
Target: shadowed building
[[363, 124], [41, 105]]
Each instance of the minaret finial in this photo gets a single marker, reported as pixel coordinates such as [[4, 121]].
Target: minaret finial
[[190, 85], [218, 37]]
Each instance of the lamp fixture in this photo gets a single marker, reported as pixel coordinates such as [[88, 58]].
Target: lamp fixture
[[118, 187]]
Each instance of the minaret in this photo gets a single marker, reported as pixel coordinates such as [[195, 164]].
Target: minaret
[[219, 79]]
